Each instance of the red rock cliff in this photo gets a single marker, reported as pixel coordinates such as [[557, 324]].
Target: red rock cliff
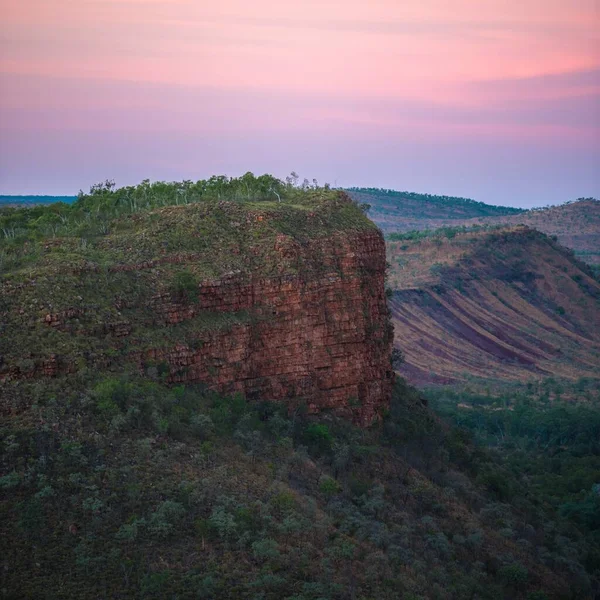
[[324, 340], [299, 317]]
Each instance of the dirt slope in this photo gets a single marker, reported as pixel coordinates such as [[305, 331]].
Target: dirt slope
[[510, 304]]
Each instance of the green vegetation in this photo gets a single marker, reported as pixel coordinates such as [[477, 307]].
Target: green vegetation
[[545, 438], [116, 486], [97, 213], [441, 232], [567, 203], [428, 205]]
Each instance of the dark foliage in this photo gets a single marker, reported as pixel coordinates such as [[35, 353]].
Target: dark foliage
[[124, 488]]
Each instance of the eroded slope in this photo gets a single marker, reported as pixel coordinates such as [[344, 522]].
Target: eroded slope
[[575, 224], [503, 305]]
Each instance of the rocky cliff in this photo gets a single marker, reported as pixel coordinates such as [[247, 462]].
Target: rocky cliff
[[278, 302], [324, 340]]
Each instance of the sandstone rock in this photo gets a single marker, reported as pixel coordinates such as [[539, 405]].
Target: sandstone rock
[[317, 329], [325, 340]]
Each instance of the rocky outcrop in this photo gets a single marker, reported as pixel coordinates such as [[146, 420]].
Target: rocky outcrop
[[303, 320], [325, 341]]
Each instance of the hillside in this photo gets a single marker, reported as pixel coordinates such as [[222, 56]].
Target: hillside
[[405, 211], [272, 299], [498, 305], [125, 488], [575, 224], [197, 402]]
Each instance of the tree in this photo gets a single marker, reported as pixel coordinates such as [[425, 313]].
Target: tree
[[397, 358]]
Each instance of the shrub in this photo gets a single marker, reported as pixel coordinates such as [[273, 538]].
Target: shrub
[[9, 481], [112, 394], [226, 411], [153, 583], [165, 518], [202, 425], [438, 542], [497, 483], [319, 437], [206, 587], [185, 286], [264, 550], [283, 501], [31, 516], [475, 539], [223, 523], [329, 486], [514, 575], [130, 531]]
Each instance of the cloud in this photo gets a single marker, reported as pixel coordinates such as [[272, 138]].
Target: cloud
[[409, 27], [577, 79], [44, 103]]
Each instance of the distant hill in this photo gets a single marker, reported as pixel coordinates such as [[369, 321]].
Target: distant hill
[[33, 200], [506, 304], [576, 224], [389, 205]]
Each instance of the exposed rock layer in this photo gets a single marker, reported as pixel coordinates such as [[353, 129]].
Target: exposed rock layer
[[325, 340], [320, 335]]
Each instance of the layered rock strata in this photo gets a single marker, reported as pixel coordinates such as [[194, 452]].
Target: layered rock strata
[[303, 320], [325, 341]]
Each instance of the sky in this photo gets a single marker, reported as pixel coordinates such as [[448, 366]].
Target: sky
[[497, 100]]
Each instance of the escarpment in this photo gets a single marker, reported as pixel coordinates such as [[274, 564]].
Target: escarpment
[[508, 304], [278, 302]]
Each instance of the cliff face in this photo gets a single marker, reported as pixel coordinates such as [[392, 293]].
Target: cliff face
[[325, 341], [302, 319]]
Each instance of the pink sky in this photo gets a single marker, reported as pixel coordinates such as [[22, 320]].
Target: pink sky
[[493, 99]]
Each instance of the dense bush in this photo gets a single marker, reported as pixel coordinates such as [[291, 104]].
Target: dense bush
[[547, 450], [131, 488]]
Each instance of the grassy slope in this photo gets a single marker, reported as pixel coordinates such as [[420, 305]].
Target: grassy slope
[[507, 305]]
